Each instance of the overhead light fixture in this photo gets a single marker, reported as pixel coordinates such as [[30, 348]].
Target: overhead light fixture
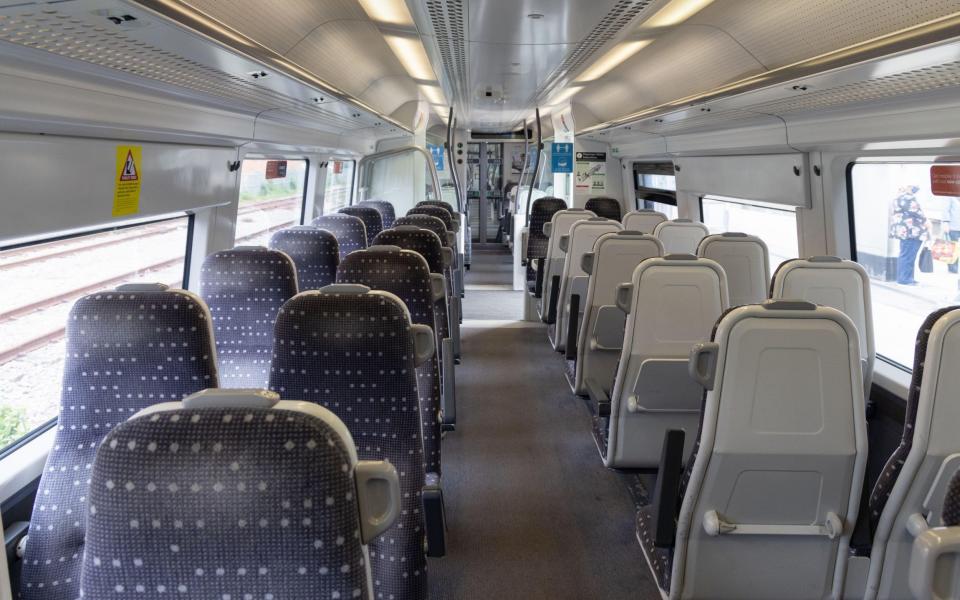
[[563, 96], [612, 59], [433, 93], [535, 16], [390, 12], [413, 56], [676, 12]]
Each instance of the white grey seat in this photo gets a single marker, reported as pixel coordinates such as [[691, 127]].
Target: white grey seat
[[908, 496], [746, 261], [672, 303], [840, 284], [600, 337], [771, 494], [573, 281], [643, 220], [552, 265], [935, 563], [681, 236], [264, 455]]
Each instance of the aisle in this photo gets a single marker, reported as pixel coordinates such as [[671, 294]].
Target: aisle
[[532, 512]]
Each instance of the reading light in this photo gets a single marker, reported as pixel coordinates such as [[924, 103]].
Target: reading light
[[412, 55], [676, 12], [611, 59], [391, 12]]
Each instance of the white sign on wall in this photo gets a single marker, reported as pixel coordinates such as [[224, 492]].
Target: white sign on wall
[[590, 172]]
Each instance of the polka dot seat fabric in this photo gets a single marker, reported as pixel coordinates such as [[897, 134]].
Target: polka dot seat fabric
[[245, 288], [951, 504], [126, 350], [387, 213], [405, 274], [608, 208], [225, 502], [352, 351], [444, 214], [426, 222], [315, 252], [350, 231], [541, 212], [428, 245], [370, 216]]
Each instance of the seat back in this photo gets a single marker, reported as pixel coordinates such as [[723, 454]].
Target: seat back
[[612, 262], [775, 482], [928, 453], [573, 280], [126, 350], [541, 212], [406, 274], [430, 223], [935, 562], [355, 352], [608, 208], [672, 303], [314, 251], [746, 262], [681, 236], [443, 213], [233, 496], [840, 284], [372, 220], [245, 288], [643, 220], [552, 263], [350, 231], [387, 213]]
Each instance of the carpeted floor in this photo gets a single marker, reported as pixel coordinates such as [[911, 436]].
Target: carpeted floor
[[532, 513]]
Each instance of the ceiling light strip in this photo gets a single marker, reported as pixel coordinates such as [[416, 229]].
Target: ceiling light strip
[[205, 25], [911, 38]]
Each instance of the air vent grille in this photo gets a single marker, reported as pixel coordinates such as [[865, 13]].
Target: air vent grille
[[622, 14], [95, 41], [447, 19]]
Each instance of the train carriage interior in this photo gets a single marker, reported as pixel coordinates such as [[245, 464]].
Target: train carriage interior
[[476, 299]]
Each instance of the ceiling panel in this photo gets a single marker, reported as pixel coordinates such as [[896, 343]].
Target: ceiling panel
[[506, 21]]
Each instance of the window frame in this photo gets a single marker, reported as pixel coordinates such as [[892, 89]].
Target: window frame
[[191, 219], [641, 192], [351, 199]]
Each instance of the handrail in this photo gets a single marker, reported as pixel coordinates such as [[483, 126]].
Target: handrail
[[536, 166], [395, 151], [451, 124]]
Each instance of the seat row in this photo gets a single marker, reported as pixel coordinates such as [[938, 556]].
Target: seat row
[[752, 415]]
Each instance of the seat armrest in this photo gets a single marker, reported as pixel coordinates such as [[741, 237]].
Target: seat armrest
[[378, 493], [665, 492], [599, 397], [434, 516], [15, 539], [553, 300]]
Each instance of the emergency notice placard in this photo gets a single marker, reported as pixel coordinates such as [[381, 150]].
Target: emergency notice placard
[[127, 179], [945, 180]]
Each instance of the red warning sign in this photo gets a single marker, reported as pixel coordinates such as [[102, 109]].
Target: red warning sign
[[945, 180], [276, 169], [129, 172]]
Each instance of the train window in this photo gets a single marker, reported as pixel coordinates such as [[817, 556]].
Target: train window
[[271, 198], [668, 209], [339, 185], [48, 277], [657, 181], [775, 224], [655, 188], [905, 229]]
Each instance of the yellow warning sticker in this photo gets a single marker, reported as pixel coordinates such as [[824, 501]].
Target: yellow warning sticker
[[127, 177]]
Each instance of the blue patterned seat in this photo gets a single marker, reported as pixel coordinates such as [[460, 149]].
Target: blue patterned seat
[[245, 288], [350, 231], [372, 220], [429, 222], [232, 494], [387, 213], [443, 213], [126, 350], [355, 352], [315, 252], [405, 274]]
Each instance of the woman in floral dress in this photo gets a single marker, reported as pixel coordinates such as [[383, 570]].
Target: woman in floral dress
[[909, 225]]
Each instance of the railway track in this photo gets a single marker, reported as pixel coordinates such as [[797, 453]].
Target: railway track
[[65, 247], [42, 339]]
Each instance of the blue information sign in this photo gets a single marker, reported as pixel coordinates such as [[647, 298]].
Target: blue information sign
[[561, 158], [437, 153]]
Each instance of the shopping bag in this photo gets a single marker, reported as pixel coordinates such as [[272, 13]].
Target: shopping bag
[[944, 251], [926, 260]]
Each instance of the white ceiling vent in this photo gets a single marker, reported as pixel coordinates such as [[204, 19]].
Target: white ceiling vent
[[449, 29], [623, 13]]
